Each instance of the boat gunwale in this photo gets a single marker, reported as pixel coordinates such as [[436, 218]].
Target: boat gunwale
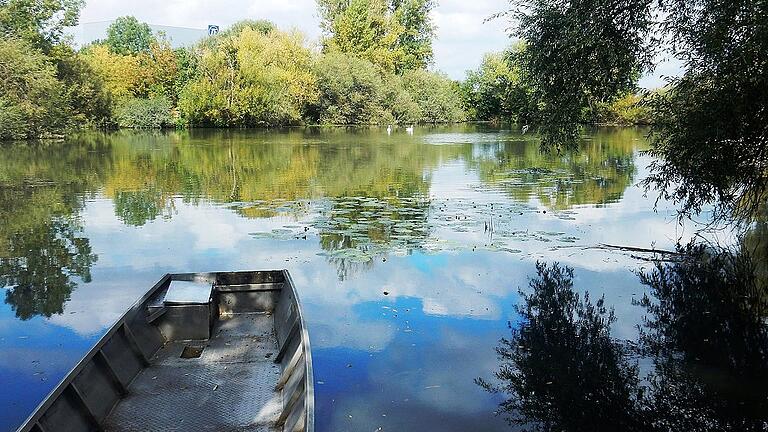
[[42, 408], [52, 396], [309, 388]]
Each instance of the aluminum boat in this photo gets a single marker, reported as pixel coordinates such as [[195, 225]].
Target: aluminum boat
[[225, 351]]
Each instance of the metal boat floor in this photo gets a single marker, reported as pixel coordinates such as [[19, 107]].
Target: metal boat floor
[[229, 387]]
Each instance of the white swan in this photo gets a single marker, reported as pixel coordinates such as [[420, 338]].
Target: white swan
[[409, 129]]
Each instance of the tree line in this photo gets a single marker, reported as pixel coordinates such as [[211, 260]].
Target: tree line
[[372, 67]]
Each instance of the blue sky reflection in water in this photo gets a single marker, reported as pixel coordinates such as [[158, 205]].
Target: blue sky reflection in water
[[408, 251]]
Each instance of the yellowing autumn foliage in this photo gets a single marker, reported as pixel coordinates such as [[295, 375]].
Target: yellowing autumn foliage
[[134, 75], [250, 79], [121, 73]]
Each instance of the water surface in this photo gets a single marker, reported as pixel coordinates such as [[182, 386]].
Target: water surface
[[408, 250]]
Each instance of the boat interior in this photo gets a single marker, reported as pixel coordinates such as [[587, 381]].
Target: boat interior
[[200, 351]]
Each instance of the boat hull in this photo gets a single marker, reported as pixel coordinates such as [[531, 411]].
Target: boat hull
[[199, 351]]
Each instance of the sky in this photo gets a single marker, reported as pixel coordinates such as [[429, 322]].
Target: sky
[[462, 36]]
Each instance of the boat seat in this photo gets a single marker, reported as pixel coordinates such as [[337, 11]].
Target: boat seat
[[184, 311], [185, 292]]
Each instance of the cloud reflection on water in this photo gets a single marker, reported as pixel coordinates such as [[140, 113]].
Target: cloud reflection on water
[[353, 215]]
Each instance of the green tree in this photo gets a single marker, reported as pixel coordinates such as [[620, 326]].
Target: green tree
[[415, 40], [161, 66], [709, 133], [30, 95], [260, 26], [88, 101], [250, 79], [367, 29], [396, 35], [122, 75], [436, 95], [39, 22], [152, 73], [126, 35], [186, 64], [579, 53], [329, 10], [496, 90], [38, 104], [142, 86]]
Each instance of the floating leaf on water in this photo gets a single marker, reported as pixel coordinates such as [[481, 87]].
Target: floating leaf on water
[[550, 233], [514, 251], [261, 235]]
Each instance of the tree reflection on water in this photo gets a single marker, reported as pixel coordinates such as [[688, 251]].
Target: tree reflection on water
[[42, 250], [560, 367], [706, 331], [598, 172], [705, 334]]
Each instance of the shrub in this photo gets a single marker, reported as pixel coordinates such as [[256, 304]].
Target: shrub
[[401, 107], [356, 91], [436, 95], [250, 79], [151, 113], [351, 91], [627, 110]]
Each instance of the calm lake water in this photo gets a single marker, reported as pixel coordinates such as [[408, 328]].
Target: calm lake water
[[408, 250]]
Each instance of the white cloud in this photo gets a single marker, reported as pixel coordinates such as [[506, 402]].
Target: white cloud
[[463, 35]]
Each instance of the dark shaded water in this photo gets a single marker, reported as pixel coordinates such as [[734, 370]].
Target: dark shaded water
[[408, 251]]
